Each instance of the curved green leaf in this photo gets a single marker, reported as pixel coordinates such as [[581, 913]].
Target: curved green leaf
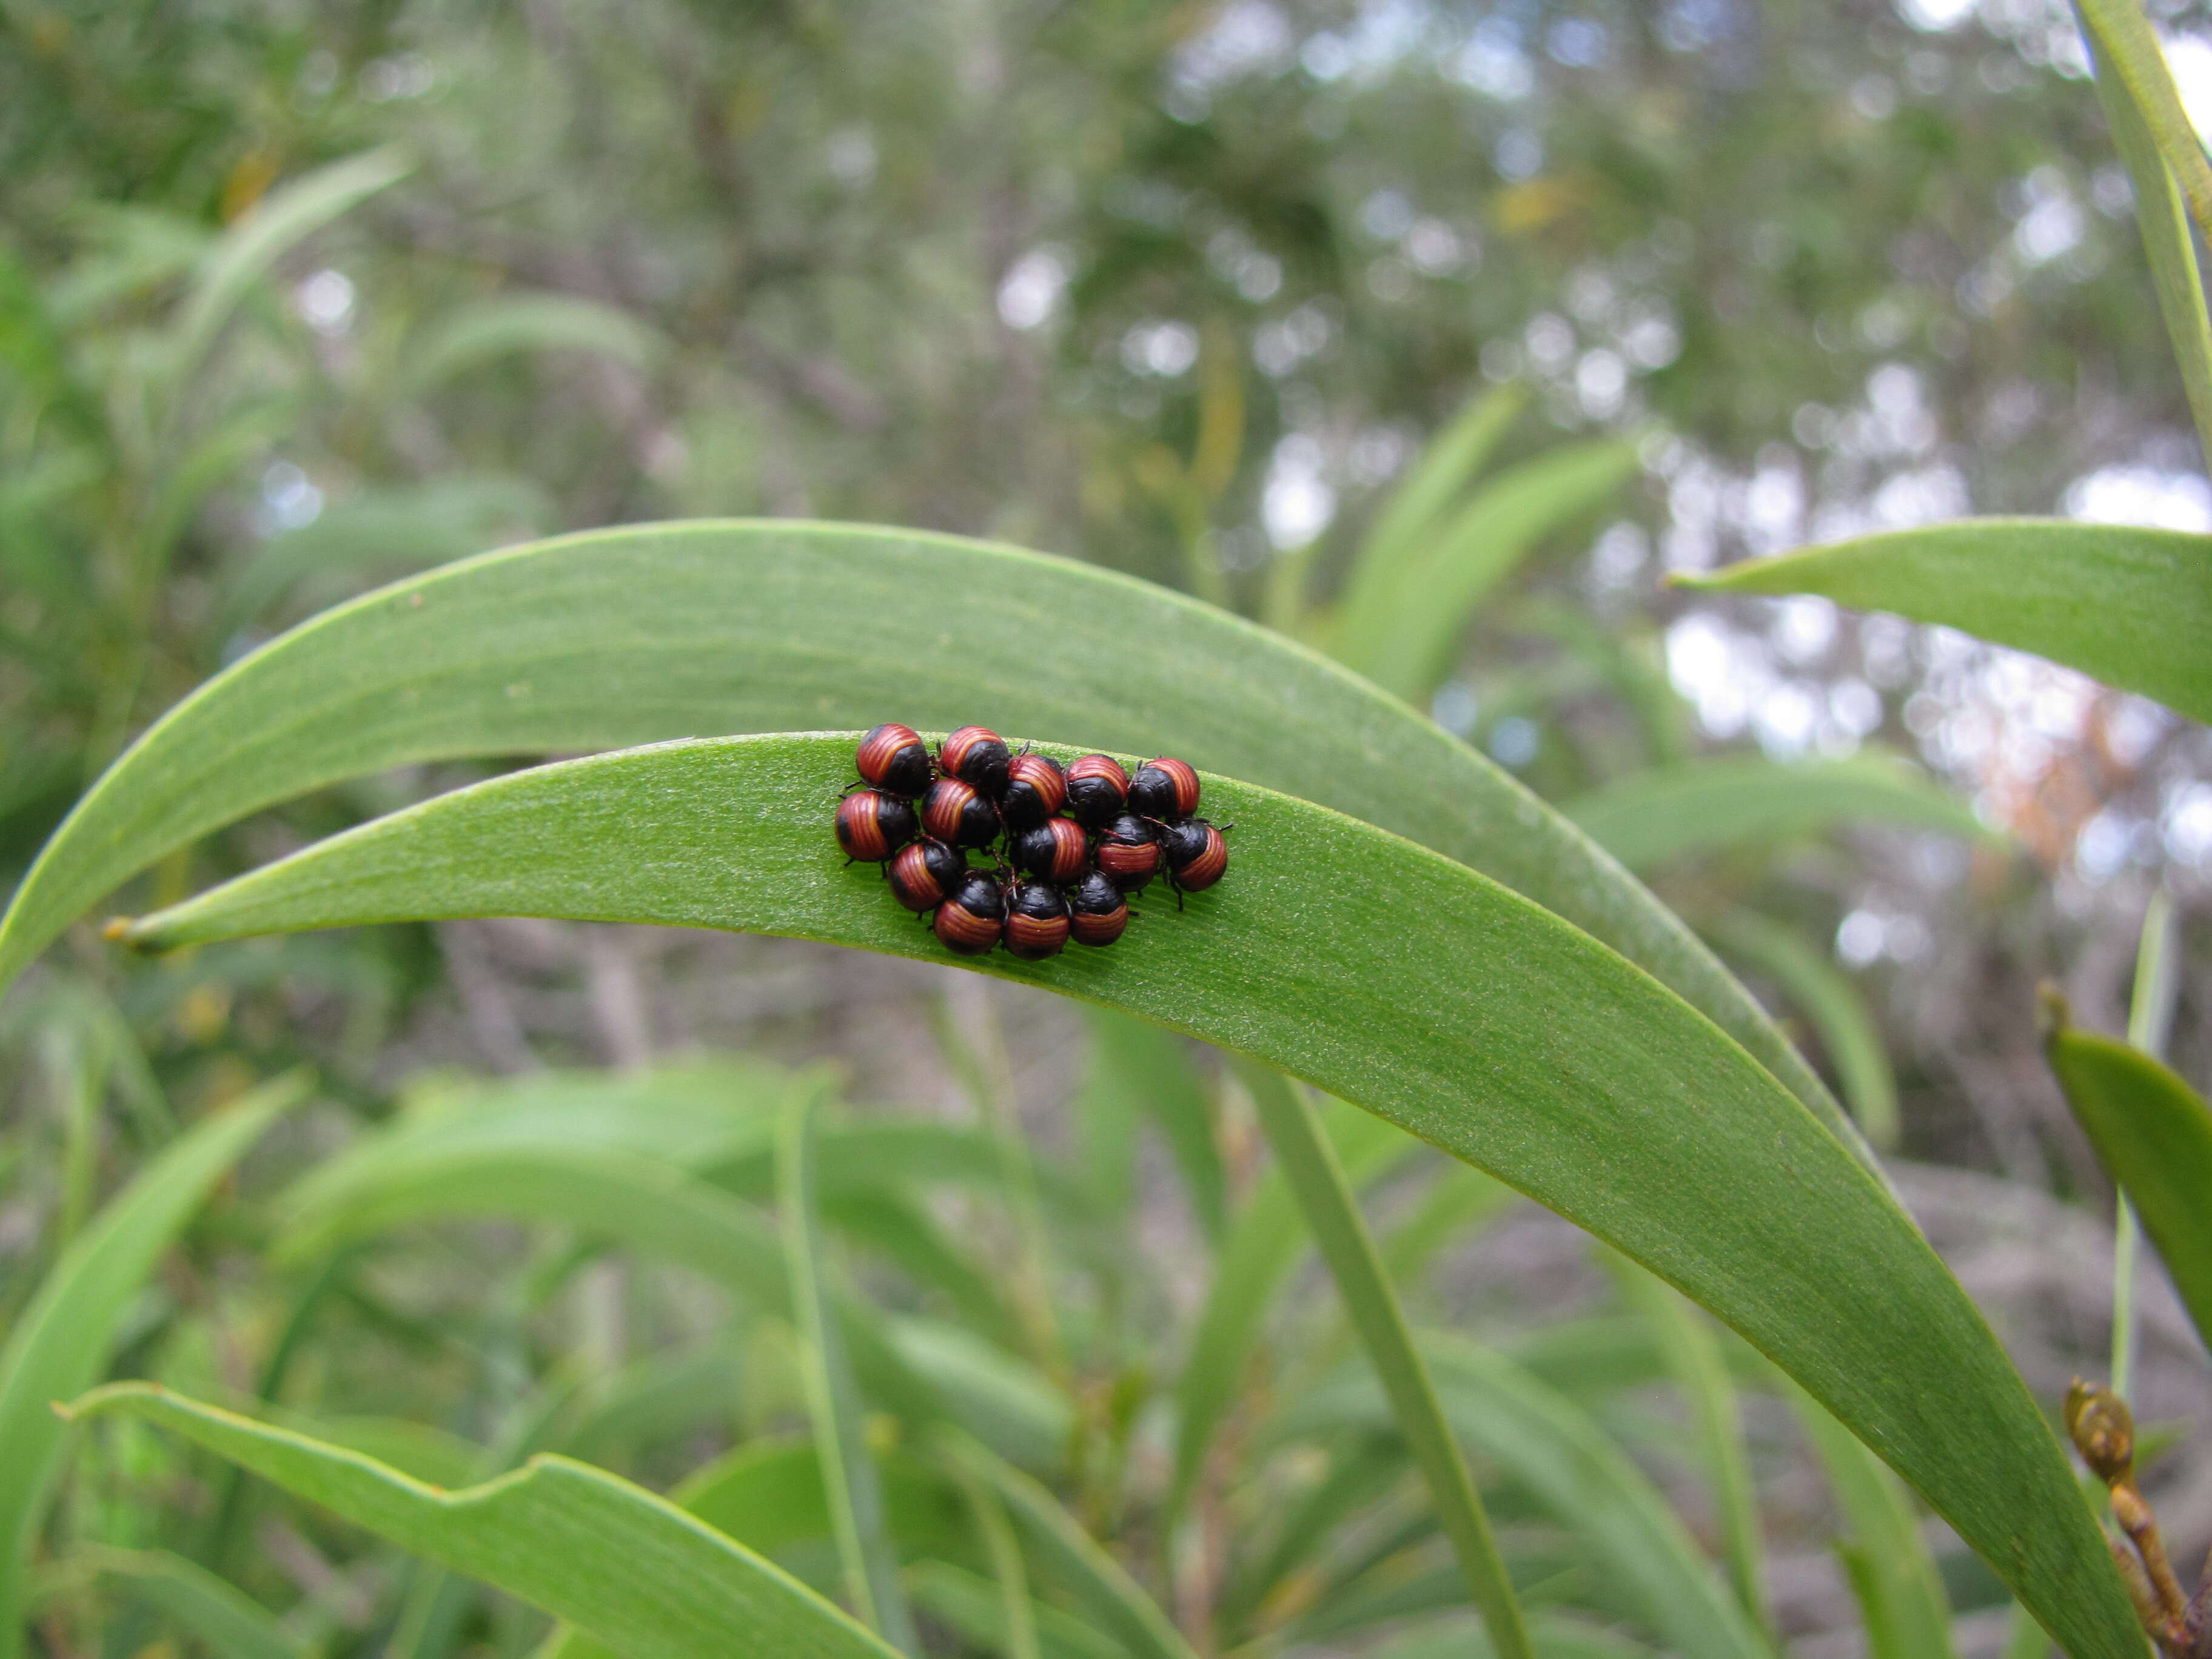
[[1059, 1546], [2153, 1133], [1567, 1463], [1734, 800], [1900, 1590], [2129, 606], [1381, 973], [485, 329], [630, 635], [222, 1617], [278, 223], [642, 1204], [1409, 515], [2125, 40], [1403, 631], [608, 1557], [57, 1347], [1310, 1166], [2168, 244], [1826, 996]]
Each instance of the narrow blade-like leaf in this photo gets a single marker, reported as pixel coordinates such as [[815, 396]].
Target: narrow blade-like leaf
[[1381, 973], [2125, 39], [1693, 1358], [2129, 606], [1404, 639], [1568, 1464], [247, 249], [57, 1346], [1316, 1180], [850, 1481], [609, 1557], [1648, 817], [2168, 244], [2153, 1133], [1443, 470], [1258, 1255], [1900, 1593], [222, 1617], [630, 635]]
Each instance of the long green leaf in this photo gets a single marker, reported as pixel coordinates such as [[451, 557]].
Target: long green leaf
[[2129, 606], [222, 1617], [833, 1400], [2153, 1133], [1293, 1129], [1900, 1593], [1137, 1070], [1555, 1638], [1378, 972], [486, 329], [1648, 817], [289, 215], [1560, 1457], [1059, 1546], [2168, 244], [1256, 1258], [609, 1557], [636, 1202], [1828, 997], [57, 1346], [1405, 638], [631, 635], [1444, 469], [976, 1608], [1693, 1358], [2124, 38]]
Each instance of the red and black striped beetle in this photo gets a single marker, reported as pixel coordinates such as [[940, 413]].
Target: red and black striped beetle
[[1096, 912], [1036, 925], [1036, 788], [894, 759], [873, 825], [923, 873], [970, 920], [957, 813], [1165, 788], [1129, 853], [1196, 855], [1056, 850], [1097, 790], [978, 756]]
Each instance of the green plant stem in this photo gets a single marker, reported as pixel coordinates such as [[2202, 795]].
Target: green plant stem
[[2150, 1014], [1293, 1129]]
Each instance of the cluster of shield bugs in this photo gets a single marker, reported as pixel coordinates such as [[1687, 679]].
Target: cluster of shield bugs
[[1068, 845]]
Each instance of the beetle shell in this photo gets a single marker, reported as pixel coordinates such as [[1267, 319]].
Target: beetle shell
[[1163, 788], [1197, 855], [1035, 789], [978, 756], [895, 760], [923, 873], [871, 825], [1097, 789], [956, 813], [1128, 855], [1056, 850], [968, 921], [1036, 924], [1096, 912]]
